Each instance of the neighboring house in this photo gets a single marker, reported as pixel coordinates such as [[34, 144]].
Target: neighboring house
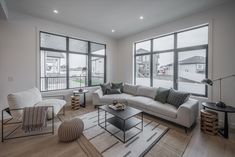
[[191, 69], [142, 64], [53, 64]]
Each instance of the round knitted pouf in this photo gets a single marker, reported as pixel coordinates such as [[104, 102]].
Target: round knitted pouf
[[70, 130]]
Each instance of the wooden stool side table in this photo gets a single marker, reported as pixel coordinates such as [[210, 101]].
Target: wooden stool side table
[[77, 93], [228, 109], [209, 122], [75, 102]]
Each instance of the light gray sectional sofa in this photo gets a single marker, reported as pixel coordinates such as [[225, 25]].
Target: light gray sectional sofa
[[142, 98]]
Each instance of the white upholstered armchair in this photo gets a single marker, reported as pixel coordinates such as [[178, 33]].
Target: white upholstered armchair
[[30, 98]]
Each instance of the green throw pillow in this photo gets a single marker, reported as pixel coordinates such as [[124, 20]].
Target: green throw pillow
[[118, 86], [113, 91], [162, 95], [105, 87]]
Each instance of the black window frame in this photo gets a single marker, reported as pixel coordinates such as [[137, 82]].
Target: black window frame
[[176, 51], [67, 52]]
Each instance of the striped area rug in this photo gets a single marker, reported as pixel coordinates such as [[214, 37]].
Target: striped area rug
[[109, 145]]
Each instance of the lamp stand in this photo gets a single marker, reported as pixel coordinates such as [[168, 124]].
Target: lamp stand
[[220, 103], [211, 82], [80, 89]]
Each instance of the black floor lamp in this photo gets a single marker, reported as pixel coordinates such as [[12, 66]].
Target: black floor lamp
[[84, 69], [211, 82]]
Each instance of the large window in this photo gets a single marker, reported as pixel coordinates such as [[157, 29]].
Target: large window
[[143, 70], [178, 60], [69, 63]]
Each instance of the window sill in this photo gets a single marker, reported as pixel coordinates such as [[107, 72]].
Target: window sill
[[201, 98]]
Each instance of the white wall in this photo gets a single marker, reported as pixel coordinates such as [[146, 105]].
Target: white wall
[[19, 51], [221, 48]]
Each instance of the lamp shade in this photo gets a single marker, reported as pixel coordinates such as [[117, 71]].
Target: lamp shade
[[207, 81]]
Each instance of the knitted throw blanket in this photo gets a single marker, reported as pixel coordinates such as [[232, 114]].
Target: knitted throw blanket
[[34, 118]]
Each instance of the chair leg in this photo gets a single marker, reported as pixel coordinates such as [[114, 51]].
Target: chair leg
[[63, 110]]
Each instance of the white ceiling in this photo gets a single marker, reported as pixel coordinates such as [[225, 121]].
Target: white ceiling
[[103, 15]]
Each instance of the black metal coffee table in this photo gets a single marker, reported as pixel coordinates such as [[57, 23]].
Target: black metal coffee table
[[123, 120]]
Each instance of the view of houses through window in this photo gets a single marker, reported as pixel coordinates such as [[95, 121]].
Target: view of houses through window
[[178, 60], [69, 63]]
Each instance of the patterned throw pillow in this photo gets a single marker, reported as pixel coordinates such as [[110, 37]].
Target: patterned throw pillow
[[177, 98], [113, 91], [162, 95], [118, 86], [105, 87]]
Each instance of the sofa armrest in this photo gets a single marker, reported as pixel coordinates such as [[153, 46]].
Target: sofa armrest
[[96, 95], [188, 112]]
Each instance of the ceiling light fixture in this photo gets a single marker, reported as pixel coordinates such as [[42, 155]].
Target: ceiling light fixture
[[141, 17], [112, 30], [55, 11]]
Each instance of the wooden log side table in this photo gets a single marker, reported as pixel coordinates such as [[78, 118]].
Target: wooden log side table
[[228, 109], [209, 122], [77, 93], [75, 102]]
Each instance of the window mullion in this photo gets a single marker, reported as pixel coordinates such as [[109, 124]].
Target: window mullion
[[89, 63], [135, 64], [175, 73], [67, 62], [151, 63], [105, 60]]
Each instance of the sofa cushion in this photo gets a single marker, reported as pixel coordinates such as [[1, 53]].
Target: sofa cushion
[[56, 103], [146, 91], [164, 109], [177, 98], [162, 94], [119, 97], [139, 101], [117, 86], [130, 89]]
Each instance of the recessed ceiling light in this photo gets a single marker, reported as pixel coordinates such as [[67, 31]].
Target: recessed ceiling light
[[141, 17], [55, 11], [112, 30]]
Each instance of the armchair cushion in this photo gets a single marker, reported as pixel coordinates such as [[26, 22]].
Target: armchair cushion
[[56, 103], [27, 98], [32, 97]]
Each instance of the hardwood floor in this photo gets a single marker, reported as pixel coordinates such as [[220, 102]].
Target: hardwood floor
[[199, 144], [204, 145]]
